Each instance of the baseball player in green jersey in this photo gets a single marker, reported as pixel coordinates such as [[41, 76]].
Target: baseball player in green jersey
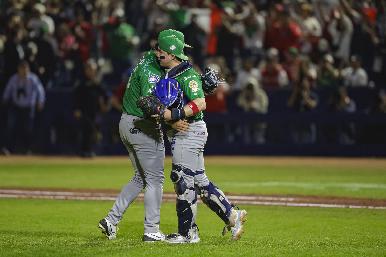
[[188, 170], [143, 140]]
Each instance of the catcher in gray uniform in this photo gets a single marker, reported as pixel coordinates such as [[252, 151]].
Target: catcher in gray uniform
[[188, 170]]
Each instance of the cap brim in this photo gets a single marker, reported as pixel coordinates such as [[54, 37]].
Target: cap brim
[[183, 57]]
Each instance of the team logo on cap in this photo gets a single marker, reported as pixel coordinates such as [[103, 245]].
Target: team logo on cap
[[193, 85], [172, 47], [154, 78]]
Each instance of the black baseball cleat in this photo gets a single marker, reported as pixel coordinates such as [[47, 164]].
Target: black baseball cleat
[[191, 238], [108, 229]]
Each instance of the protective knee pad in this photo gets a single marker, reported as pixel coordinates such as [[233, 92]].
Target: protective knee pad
[[186, 205], [184, 188], [215, 199]]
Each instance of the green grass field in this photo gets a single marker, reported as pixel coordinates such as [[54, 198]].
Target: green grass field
[[68, 228], [364, 178]]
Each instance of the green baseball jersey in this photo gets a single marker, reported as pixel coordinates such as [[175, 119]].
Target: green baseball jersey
[[191, 85], [145, 76]]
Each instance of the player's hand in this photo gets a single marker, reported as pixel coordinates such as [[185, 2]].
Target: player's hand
[[180, 125], [167, 115]]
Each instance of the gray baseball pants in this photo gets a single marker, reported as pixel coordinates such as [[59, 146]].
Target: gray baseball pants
[[188, 173], [188, 152], [147, 156]]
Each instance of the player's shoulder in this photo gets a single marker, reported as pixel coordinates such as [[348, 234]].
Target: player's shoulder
[[191, 80], [190, 75], [146, 62], [193, 71], [149, 55], [147, 58]]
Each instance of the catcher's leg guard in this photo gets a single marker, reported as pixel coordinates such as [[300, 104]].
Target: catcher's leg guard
[[215, 199], [186, 205]]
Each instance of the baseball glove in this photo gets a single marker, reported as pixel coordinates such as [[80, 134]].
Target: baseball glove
[[151, 106], [210, 81]]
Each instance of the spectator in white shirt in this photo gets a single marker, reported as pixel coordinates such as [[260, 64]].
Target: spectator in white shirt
[[354, 75], [340, 29], [254, 99], [247, 71], [40, 20]]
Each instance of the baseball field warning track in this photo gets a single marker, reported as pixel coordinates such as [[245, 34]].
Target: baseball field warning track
[[273, 200]]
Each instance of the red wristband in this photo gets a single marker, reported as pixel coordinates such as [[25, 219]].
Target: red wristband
[[194, 107]]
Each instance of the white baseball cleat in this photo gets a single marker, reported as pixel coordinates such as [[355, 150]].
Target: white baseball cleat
[[153, 237], [177, 238], [193, 234], [236, 223], [108, 228]]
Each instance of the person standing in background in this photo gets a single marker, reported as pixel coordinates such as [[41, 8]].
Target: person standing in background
[[23, 96], [90, 101]]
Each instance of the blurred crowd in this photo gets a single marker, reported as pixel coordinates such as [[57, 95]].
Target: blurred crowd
[[260, 46]]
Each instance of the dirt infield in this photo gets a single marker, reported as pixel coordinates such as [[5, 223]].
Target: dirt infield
[[272, 200]]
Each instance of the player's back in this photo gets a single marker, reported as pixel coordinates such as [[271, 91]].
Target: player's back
[[144, 77]]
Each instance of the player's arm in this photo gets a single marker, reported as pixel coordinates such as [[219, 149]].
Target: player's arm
[[190, 109]]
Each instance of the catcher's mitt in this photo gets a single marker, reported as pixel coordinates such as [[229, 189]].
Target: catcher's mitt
[[210, 81], [151, 106]]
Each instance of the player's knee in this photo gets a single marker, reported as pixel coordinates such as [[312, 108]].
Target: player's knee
[[181, 186], [138, 180], [178, 180], [159, 178], [176, 173], [200, 179]]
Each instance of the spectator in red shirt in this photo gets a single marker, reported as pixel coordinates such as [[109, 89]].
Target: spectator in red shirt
[[216, 13], [216, 103], [292, 64], [282, 33], [273, 75], [116, 98], [82, 30]]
